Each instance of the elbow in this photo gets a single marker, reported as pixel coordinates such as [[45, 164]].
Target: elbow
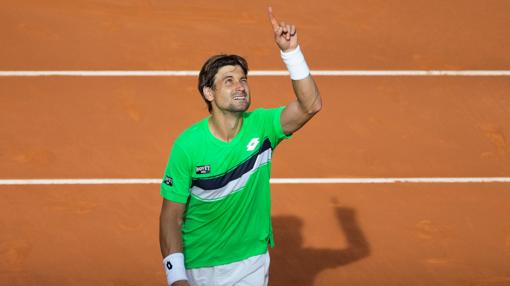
[[316, 106], [314, 110]]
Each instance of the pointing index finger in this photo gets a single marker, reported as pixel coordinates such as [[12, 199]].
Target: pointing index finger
[[273, 20]]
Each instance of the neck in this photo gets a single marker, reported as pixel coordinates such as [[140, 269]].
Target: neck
[[225, 126]]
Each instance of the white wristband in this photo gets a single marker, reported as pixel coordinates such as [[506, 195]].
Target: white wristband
[[296, 64], [174, 268]]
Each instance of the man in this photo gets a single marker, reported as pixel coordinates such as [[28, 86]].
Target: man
[[215, 220]]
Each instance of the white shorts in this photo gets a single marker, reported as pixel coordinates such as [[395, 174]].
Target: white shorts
[[253, 271]]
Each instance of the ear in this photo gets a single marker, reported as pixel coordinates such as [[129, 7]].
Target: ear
[[208, 93]]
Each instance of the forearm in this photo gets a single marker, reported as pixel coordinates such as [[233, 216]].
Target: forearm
[[305, 89], [307, 95], [170, 238]]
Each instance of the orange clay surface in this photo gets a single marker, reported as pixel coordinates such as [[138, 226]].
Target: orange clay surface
[[101, 127]]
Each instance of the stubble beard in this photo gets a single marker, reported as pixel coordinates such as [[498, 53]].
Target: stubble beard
[[242, 106]]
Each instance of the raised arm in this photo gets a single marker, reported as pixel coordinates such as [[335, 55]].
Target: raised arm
[[308, 100]]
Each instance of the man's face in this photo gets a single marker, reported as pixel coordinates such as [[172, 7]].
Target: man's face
[[231, 92]]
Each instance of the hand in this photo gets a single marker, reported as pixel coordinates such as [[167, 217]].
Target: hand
[[285, 35], [180, 283]]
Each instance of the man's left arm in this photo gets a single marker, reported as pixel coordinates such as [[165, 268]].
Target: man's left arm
[[308, 100]]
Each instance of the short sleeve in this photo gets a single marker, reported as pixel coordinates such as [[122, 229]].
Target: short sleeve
[[274, 126], [176, 181]]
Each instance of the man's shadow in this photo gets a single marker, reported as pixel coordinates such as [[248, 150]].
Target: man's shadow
[[291, 264]]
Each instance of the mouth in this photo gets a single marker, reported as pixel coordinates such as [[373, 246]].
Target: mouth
[[240, 97]]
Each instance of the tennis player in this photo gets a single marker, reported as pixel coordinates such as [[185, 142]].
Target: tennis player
[[215, 223]]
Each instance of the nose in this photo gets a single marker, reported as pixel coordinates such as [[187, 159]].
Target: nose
[[240, 86]]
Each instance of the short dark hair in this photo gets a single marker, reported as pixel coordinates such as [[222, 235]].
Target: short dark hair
[[210, 69]]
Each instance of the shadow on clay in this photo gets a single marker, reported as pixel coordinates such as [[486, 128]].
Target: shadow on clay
[[293, 264]]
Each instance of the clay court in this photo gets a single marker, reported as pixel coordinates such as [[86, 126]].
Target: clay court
[[451, 228]]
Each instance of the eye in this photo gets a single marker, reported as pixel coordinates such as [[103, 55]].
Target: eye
[[244, 79]]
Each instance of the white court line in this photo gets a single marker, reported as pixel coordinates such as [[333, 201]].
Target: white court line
[[194, 73], [273, 181]]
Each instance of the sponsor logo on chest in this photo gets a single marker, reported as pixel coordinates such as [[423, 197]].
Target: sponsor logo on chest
[[206, 169]]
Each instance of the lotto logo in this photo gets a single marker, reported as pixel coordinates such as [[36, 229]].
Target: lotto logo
[[253, 144]]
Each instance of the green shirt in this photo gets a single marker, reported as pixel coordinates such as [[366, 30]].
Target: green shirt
[[225, 186]]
